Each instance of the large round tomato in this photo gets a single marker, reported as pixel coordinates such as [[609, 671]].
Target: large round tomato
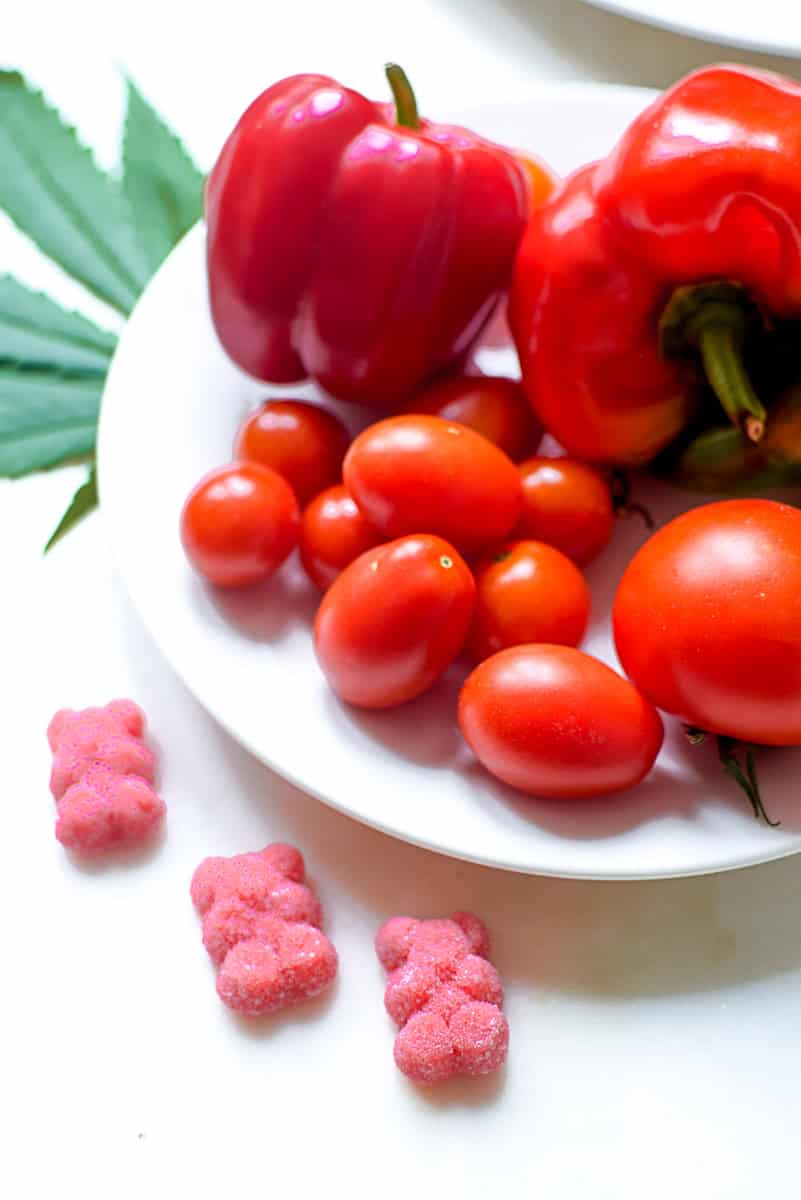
[[707, 620], [394, 620], [552, 721], [300, 441], [239, 523], [527, 592], [568, 504], [493, 406], [332, 534], [411, 474]]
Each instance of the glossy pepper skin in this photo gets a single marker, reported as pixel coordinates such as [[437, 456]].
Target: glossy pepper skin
[[703, 188], [346, 248]]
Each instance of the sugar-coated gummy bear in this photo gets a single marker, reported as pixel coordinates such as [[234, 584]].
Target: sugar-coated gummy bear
[[261, 927], [444, 995], [102, 777]]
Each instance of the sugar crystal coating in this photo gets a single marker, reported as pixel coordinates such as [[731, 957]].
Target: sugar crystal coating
[[444, 995], [102, 776], [261, 928]]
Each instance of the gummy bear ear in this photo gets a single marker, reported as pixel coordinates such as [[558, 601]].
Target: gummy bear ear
[[129, 714], [475, 931], [286, 860], [394, 941], [58, 727]]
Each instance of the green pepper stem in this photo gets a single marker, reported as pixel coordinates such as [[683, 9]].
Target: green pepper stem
[[405, 104], [746, 779], [719, 345]]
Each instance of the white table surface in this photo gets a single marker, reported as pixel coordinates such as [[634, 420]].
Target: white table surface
[[655, 1046]]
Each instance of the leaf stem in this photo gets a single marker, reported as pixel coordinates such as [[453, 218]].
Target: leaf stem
[[746, 779]]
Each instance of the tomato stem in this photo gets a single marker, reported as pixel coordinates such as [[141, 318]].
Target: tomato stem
[[746, 779], [406, 113]]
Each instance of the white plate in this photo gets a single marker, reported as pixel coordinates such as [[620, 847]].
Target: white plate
[[771, 25], [172, 405]]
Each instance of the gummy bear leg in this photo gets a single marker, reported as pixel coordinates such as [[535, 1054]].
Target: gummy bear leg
[[424, 1049], [480, 1037], [249, 980], [308, 962]]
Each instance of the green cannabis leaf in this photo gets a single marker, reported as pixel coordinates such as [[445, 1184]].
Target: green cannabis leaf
[[35, 331], [109, 234], [52, 189], [82, 503], [46, 418], [163, 186]]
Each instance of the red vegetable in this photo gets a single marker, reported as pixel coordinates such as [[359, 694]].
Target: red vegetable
[[527, 592], [670, 255], [495, 407], [567, 504], [300, 441], [355, 243], [394, 620], [414, 473], [238, 524], [552, 721], [332, 534], [707, 620]]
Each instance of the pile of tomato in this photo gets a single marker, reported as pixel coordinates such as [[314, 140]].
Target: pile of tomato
[[440, 533]]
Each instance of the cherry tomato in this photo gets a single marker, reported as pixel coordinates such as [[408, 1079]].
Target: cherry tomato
[[239, 524], [413, 473], [394, 620], [567, 504], [300, 441], [707, 620], [493, 406], [527, 592], [332, 534], [553, 721]]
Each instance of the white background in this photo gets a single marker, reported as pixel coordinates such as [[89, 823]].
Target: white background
[[655, 1046]]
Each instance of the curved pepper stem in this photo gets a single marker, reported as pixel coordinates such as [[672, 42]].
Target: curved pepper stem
[[713, 319], [406, 113], [719, 345]]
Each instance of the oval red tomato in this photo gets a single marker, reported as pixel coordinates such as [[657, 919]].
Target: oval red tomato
[[238, 524], [420, 473], [568, 504], [707, 620], [553, 721], [493, 406], [527, 592], [332, 534], [300, 441], [394, 620]]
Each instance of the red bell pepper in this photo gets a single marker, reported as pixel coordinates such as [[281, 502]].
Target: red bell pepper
[[355, 243], [648, 275]]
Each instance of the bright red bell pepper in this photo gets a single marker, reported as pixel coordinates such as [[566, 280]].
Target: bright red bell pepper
[[354, 243], [678, 252]]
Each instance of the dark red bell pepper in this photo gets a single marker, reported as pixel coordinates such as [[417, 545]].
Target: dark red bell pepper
[[647, 276], [353, 242]]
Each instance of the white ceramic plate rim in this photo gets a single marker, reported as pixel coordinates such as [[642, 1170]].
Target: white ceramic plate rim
[[692, 20]]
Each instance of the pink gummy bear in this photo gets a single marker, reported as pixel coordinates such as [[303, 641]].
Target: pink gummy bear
[[261, 927], [102, 777], [444, 995]]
